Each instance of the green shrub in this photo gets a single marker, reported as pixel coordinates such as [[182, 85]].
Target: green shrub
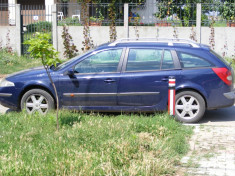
[[42, 26], [11, 62], [69, 22], [6, 58]]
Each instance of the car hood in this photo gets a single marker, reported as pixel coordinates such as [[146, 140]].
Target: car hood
[[35, 71]]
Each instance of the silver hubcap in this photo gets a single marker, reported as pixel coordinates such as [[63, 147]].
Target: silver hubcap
[[187, 107], [36, 102]]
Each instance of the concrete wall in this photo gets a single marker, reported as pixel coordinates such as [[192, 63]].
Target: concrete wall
[[101, 35], [12, 36]]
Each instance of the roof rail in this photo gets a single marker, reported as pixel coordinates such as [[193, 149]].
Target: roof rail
[[170, 42]]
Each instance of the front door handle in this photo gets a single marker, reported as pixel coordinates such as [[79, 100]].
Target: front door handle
[[109, 80]]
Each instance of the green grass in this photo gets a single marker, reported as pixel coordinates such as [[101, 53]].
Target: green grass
[[232, 61], [10, 63], [91, 144], [220, 24]]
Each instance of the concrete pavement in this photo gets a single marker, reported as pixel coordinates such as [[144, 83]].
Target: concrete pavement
[[3, 109], [220, 117], [212, 145]]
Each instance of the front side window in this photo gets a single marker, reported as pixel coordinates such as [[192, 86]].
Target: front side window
[[144, 59], [191, 61], [103, 62]]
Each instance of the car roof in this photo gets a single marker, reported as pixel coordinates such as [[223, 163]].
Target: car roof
[[153, 42]]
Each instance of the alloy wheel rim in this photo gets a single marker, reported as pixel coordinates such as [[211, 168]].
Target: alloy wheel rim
[[36, 103], [187, 107]]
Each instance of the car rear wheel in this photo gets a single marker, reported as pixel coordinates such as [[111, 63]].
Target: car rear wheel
[[189, 107], [37, 100]]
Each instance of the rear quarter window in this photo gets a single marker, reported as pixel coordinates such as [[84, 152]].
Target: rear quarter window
[[188, 60]]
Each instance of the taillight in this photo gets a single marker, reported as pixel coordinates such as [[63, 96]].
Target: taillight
[[224, 74]]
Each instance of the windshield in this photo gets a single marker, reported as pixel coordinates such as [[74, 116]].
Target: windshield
[[61, 66]]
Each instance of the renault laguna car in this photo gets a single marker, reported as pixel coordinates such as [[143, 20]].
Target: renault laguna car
[[128, 75]]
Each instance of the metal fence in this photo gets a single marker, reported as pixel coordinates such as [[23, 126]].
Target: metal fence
[[34, 18], [166, 13], [163, 14], [71, 14], [216, 14], [159, 13], [7, 14]]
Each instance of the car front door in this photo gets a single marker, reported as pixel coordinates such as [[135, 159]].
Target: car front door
[[94, 82], [144, 80]]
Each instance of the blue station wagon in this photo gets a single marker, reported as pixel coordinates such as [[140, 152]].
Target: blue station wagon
[[128, 75]]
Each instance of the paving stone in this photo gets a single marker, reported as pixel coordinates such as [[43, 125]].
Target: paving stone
[[212, 151]]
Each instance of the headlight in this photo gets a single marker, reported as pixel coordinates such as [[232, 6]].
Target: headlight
[[5, 83]]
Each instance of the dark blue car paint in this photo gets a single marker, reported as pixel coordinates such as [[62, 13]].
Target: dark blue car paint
[[147, 89]]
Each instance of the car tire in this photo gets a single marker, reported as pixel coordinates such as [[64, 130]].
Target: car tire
[[189, 107], [37, 100]]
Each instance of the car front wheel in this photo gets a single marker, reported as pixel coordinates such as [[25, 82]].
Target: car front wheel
[[37, 100], [189, 107]]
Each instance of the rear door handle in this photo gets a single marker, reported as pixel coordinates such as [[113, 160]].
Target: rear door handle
[[165, 79], [109, 80]]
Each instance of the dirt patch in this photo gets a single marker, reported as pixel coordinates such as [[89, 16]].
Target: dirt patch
[[2, 76]]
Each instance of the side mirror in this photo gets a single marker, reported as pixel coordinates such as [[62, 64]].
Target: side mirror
[[70, 72]]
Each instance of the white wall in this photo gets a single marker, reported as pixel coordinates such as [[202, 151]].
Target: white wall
[[11, 10], [48, 9], [101, 35], [12, 34]]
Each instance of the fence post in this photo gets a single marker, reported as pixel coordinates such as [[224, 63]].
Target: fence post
[[199, 14], [54, 27], [126, 19], [19, 31]]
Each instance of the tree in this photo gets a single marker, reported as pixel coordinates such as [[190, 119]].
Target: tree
[[41, 48], [228, 11]]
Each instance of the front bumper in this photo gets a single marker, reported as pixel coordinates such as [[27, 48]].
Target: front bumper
[[230, 95], [9, 97]]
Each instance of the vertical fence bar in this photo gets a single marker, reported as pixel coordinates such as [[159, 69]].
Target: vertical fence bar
[[199, 15], [18, 31], [126, 19], [54, 27]]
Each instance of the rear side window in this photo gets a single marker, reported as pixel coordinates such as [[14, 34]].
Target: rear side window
[[191, 61], [144, 59], [149, 59]]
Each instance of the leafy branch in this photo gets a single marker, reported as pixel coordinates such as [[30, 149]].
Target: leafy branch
[[41, 48]]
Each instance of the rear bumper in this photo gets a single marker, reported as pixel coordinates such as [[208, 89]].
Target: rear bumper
[[230, 95]]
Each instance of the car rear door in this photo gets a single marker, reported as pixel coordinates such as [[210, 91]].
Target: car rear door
[[144, 79]]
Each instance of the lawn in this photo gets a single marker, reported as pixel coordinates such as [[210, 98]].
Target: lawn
[[231, 61], [10, 63], [91, 144]]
